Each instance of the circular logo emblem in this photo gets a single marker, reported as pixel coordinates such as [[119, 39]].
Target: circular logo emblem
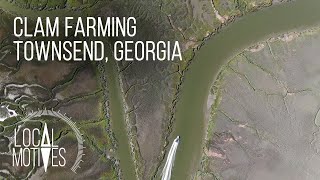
[[45, 145]]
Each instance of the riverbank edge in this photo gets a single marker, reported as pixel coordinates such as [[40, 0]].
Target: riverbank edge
[[170, 125], [214, 97], [131, 133]]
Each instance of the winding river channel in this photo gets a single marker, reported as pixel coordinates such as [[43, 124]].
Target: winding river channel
[[190, 114]]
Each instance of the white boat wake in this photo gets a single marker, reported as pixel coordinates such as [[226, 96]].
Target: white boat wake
[[166, 172]]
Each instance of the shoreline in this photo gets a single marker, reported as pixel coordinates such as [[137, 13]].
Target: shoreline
[[240, 44]]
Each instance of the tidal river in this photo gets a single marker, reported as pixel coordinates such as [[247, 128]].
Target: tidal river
[[190, 115]]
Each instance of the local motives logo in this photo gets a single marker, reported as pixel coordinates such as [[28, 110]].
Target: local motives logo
[[38, 145]]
